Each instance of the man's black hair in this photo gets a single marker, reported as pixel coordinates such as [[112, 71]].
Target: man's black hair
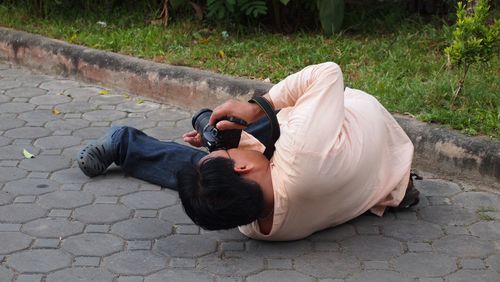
[[215, 197]]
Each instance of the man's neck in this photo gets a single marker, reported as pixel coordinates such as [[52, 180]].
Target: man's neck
[[266, 184]]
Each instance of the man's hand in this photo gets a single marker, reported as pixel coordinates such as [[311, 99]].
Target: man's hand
[[243, 110], [193, 138]]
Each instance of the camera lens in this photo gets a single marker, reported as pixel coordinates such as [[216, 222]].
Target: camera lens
[[200, 120]]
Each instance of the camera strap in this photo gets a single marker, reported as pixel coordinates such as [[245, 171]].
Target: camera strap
[[275, 127]]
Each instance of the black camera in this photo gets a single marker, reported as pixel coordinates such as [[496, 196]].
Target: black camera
[[213, 138]]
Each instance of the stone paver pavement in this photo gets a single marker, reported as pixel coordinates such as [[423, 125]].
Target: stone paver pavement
[[58, 225]]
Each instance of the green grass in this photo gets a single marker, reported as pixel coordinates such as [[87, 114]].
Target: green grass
[[399, 60], [482, 212]]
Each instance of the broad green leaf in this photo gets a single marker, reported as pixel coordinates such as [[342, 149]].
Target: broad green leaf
[[331, 15], [27, 154]]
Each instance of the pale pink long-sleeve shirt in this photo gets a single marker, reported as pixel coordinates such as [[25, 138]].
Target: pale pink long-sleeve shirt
[[340, 154]]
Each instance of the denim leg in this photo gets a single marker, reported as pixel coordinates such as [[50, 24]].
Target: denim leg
[[149, 159]]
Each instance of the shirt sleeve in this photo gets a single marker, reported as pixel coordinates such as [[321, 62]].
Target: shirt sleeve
[[315, 96]]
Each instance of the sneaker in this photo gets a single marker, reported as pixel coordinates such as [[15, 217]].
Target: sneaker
[[412, 195], [98, 155]]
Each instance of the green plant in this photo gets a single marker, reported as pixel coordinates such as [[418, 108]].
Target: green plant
[[473, 41]]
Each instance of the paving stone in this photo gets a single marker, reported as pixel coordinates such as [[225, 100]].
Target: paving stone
[[12, 173], [472, 264], [419, 247], [8, 84], [145, 213], [334, 234], [39, 260], [102, 213], [279, 275], [13, 241], [25, 92], [15, 107], [187, 229], [52, 228], [75, 107], [367, 230], [45, 163], [22, 100], [327, 265], [20, 213], [9, 227], [80, 274], [376, 265], [135, 263], [45, 244], [9, 163], [130, 279], [437, 187], [59, 85], [93, 244], [449, 215], [463, 245], [279, 264], [378, 276], [149, 200], [29, 278], [139, 245], [27, 132], [171, 114], [232, 265], [35, 174], [107, 99], [60, 213], [15, 152], [72, 175], [185, 246], [486, 230], [111, 186], [407, 215], [66, 199], [230, 234], [179, 275], [8, 122], [5, 274], [326, 247], [103, 115], [38, 117], [5, 197], [57, 142], [134, 107], [456, 230], [31, 186], [87, 261], [100, 124], [372, 247], [50, 99], [425, 264], [438, 201], [106, 200], [175, 214], [493, 262], [4, 141], [25, 199], [97, 228], [413, 231], [478, 200], [139, 123], [182, 263], [142, 228], [71, 187], [278, 249], [474, 275], [66, 124], [232, 246]]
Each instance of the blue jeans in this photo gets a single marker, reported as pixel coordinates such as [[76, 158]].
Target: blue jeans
[[158, 162]]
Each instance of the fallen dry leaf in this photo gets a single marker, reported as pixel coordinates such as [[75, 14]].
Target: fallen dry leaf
[[27, 154]]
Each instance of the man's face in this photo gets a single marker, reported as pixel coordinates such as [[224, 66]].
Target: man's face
[[243, 159]]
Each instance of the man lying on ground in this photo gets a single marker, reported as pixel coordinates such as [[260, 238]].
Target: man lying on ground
[[340, 154]]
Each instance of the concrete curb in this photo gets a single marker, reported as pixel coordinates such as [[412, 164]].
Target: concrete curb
[[442, 150]]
